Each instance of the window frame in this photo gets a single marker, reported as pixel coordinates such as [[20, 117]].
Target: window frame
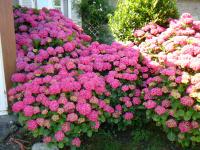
[[69, 9], [56, 6], [32, 3], [3, 93]]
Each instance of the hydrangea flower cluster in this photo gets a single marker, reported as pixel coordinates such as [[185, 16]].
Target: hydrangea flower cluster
[[67, 86], [171, 94], [147, 32]]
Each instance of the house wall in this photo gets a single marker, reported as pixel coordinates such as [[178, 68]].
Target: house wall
[[46, 3], [26, 3], [68, 4], [74, 13], [190, 6], [65, 4], [7, 51], [15, 2]]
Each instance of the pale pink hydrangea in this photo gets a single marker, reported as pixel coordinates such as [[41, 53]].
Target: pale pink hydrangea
[[53, 105], [12, 92], [36, 110], [171, 123], [160, 110], [23, 28], [18, 106], [40, 121], [83, 109], [136, 101], [156, 92], [47, 139], [195, 124], [18, 77], [62, 100], [139, 33], [28, 111], [66, 127], [118, 107], [125, 88], [184, 126], [108, 109], [72, 117], [93, 116], [128, 104], [128, 116], [32, 125], [166, 103], [137, 92], [69, 106], [97, 125], [54, 89], [59, 136], [150, 104], [76, 142], [51, 51], [102, 104], [28, 100], [187, 101], [85, 37], [69, 46]]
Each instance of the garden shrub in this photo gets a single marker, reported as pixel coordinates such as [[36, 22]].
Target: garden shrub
[[94, 14], [45, 90], [66, 87], [147, 32], [172, 94], [133, 14]]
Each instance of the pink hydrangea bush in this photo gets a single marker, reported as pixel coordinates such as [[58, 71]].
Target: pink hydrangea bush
[[65, 87], [52, 96], [147, 32], [119, 64], [171, 94]]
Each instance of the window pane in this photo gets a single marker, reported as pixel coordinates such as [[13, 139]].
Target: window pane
[[41, 4], [57, 2], [58, 8]]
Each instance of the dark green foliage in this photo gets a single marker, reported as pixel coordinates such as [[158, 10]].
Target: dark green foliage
[[147, 137], [134, 14], [94, 14]]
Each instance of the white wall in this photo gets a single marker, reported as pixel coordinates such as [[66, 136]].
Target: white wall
[[3, 95], [26, 3], [190, 6], [74, 14], [44, 3], [71, 12]]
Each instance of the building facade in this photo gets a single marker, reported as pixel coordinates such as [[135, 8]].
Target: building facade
[[7, 52], [190, 6], [65, 6]]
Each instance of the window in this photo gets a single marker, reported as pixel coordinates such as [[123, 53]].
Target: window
[[43, 3], [27, 3], [61, 5], [58, 4]]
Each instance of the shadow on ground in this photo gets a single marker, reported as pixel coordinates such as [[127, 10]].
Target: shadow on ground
[[149, 138]]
